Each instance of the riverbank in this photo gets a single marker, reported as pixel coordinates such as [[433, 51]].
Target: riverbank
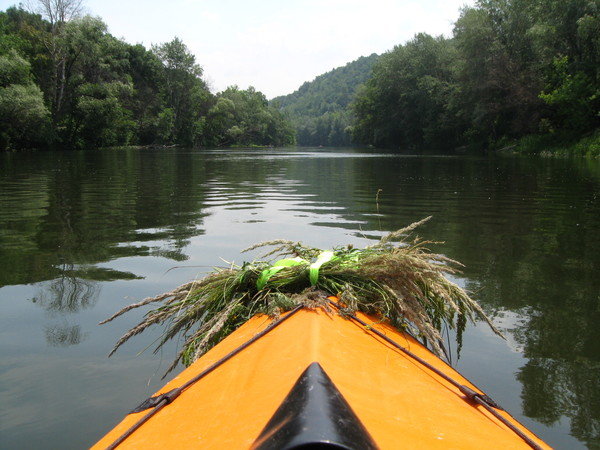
[[557, 145], [165, 147]]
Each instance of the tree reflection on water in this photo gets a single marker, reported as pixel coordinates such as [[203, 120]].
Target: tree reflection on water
[[64, 296], [64, 335], [67, 294]]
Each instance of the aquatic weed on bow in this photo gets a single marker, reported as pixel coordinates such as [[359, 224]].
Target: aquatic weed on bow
[[397, 279]]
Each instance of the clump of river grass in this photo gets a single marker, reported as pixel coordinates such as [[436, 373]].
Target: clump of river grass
[[560, 145], [398, 279]]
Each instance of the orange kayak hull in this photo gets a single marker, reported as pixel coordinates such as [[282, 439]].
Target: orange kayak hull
[[401, 403]]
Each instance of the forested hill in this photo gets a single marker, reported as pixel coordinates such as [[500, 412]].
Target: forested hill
[[515, 74], [522, 73], [319, 109]]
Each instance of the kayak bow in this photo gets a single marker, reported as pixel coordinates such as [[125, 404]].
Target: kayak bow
[[316, 378]]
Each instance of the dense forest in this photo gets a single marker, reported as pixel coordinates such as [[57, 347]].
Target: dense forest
[[65, 82], [521, 74], [516, 74], [515, 71], [319, 109]]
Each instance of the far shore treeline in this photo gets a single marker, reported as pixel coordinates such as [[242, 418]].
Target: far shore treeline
[[524, 71], [516, 74], [70, 84], [522, 74]]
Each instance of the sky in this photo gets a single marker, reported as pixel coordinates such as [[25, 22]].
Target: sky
[[274, 45]]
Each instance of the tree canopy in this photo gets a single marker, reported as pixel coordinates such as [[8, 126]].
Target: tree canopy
[[512, 68], [66, 82], [513, 71]]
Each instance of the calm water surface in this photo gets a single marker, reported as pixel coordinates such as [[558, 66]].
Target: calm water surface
[[82, 234]]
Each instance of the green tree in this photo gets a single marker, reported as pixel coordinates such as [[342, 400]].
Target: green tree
[[499, 81], [98, 89], [244, 117], [58, 45], [23, 115], [406, 103], [538, 72], [99, 118], [154, 122], [575, 98], [569, 41], [185, 93]]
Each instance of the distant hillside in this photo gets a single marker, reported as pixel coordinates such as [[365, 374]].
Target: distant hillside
[[319, 108]]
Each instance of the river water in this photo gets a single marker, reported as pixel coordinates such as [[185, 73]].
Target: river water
[[84, 233]]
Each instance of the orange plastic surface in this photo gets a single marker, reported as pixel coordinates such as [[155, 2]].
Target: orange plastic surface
[[401, 403]]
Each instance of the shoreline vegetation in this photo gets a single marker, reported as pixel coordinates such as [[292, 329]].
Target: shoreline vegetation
[[67, 83], [587, 146], [523, 73], [533, 88]]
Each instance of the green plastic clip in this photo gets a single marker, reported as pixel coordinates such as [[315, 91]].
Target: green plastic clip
[[313, 271], [266, 274]]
